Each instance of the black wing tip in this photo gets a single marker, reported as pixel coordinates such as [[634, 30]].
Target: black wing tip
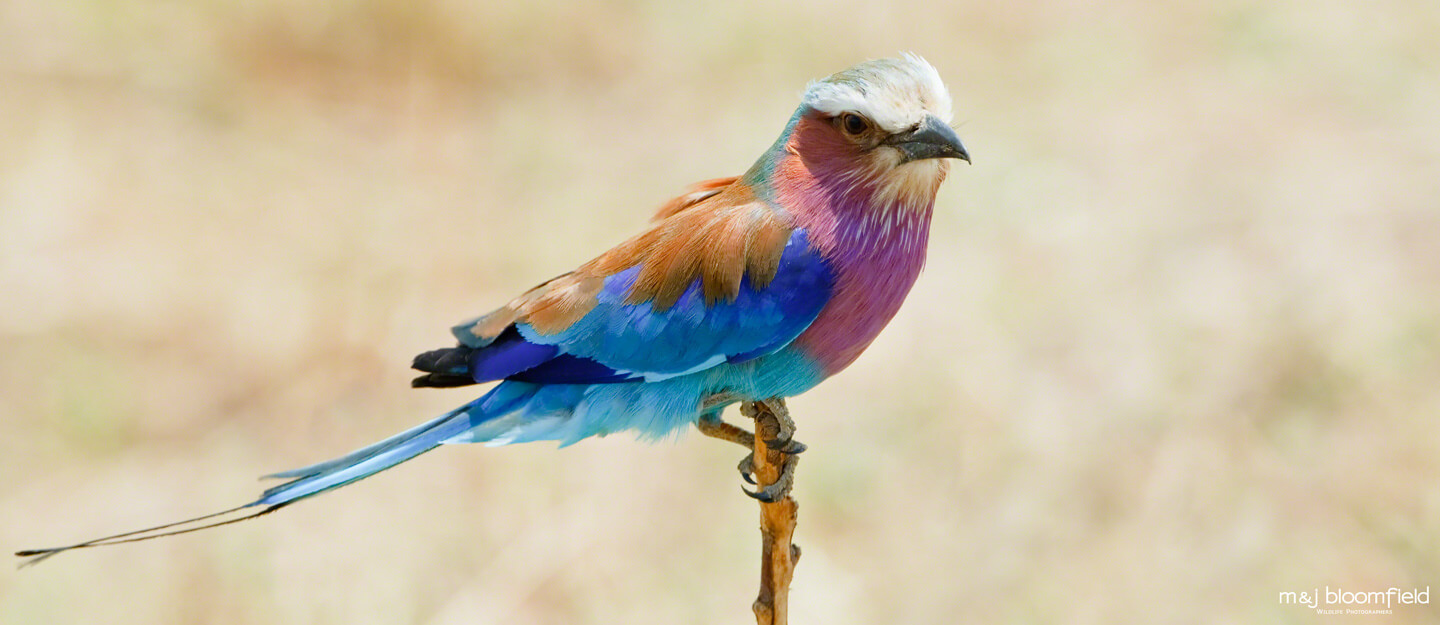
[[440, 380], [447, 360], [447, 367]]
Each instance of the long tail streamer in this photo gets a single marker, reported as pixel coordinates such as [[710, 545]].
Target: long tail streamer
[[304, 482], [39, 555]]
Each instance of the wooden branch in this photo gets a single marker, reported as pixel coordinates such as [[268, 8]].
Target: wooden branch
[[778, 554]]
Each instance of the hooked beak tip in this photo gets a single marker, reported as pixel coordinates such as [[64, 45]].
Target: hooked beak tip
[[931, 139]]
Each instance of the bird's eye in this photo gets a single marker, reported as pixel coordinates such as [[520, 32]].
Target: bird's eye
[[854, 124]]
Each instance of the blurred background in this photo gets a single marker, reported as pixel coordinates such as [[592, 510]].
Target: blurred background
[[1176, 350]]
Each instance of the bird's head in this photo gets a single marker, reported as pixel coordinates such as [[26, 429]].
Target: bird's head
[[883, 124]]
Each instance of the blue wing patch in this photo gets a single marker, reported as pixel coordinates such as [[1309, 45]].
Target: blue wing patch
[[633, 340]]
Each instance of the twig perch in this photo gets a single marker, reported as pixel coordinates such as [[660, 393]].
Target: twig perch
[[773, 458], [778, 554]]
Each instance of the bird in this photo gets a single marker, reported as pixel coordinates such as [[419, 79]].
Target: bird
[[749, 288]]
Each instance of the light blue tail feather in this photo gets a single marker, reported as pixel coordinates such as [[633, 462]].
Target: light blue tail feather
[[366, 452], [363, 463], [458, 425], [372, 459]]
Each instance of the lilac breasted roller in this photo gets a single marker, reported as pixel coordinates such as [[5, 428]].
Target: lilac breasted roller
[[746, 288]]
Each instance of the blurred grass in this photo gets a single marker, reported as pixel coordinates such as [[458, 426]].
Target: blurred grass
[[1175, 351]]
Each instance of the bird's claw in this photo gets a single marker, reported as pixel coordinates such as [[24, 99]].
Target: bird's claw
[[787, 446], [747, 468], [747, 464], [780, 488]]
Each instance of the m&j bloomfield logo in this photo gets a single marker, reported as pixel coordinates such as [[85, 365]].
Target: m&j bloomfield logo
[[1340, 601]]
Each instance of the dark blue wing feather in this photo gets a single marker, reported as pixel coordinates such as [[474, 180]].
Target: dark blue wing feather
[[511, 357]]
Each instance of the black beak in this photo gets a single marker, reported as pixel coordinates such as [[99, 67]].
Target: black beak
[[931, 139]]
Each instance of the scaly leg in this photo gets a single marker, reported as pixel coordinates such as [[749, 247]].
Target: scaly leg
[[711, 425]]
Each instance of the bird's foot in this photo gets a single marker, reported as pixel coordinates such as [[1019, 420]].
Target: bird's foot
[[747, 464], [772, 420], [780, 488], [777, 431], [773, 424]]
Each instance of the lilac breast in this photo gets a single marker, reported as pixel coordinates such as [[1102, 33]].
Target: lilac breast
[[877, 261]]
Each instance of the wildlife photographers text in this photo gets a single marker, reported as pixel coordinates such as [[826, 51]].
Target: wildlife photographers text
[[1339, 600]]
